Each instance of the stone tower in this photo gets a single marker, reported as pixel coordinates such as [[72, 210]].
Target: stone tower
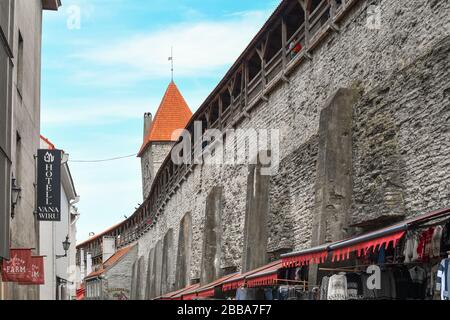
[[173, 114]]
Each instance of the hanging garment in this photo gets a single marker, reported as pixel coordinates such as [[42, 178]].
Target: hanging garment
[[337, 287], [388, 289], [431, 282], [324, 288], [381, 256], [443, 279], [424, 247], [314, 294], [368, 294], [436, 242], [411, 245], [292, 293], [241, 294], [403, 283], [283, 292], [354, 286], [445, 240], [268, 293], [418, 277]]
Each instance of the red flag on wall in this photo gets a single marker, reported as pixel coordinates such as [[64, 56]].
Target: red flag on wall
[[16, 268], [36, 274]]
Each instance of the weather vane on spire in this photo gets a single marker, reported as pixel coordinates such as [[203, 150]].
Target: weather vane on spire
[[171, 60]]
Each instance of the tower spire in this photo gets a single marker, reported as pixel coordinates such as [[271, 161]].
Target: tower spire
[[171, 60]]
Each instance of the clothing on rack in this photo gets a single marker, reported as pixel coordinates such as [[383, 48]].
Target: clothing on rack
[[242, 294], [418, 278], [324, 288], [368, 294], [436, 242], [268, 293], [411, 246], [354, 286], [431, 283], [403, 282], [443, 279], [337, 287], [388, 288], [424, 247], [381, 255], [445, 240], [314, 293], [283, 292]]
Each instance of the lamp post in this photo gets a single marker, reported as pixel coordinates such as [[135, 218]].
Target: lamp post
[[15, 196], [66, 246]]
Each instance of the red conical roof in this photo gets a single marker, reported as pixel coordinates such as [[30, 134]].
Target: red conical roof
[[173, 114]]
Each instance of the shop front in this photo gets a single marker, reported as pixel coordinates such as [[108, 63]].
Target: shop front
[[406, 261]]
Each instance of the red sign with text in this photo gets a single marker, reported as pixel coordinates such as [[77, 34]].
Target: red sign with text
[[16, 269], [36, 274]]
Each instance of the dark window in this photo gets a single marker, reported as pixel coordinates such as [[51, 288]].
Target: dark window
[[20, 64]]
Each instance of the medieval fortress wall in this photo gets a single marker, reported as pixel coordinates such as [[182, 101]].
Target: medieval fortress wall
[[394, 116]]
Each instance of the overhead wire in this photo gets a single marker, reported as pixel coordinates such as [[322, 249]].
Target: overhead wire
[[104, 160]]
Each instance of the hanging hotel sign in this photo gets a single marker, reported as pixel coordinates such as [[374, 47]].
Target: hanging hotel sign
[[49, 185]]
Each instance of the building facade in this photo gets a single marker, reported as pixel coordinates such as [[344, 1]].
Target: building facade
[[360, 124], [20, 77], [60, 270], [113, 280]]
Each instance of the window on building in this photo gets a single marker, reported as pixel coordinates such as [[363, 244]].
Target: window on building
[[18, 159], [20, 64]]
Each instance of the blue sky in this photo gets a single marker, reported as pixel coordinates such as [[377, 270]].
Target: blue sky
[[100, 78]]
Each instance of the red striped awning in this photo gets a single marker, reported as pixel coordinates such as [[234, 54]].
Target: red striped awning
[[268, 280], [363, 248], [208, 290], [239, 279], [305, 259], [179, 295], [266, 277], [207, 293], [190, 296], [233, 285]]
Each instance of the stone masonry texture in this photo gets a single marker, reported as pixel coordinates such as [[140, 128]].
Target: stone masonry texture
[[399, 136]]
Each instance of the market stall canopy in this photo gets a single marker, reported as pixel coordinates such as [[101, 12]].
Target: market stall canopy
[[265, 277], [169, 296], [208, 290], [362, 244], [239, 279], [181, 294]]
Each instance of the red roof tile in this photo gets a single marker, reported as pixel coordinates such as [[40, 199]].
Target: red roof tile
[[110, 262], [97, 236], [173, 114], [51, 146]]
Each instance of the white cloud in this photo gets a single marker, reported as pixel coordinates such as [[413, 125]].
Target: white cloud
[[83, 112], [200, 48]]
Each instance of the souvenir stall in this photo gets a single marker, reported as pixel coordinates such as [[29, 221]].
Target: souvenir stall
[[407, 261], [211, 291], [237, 287], [178, 295]]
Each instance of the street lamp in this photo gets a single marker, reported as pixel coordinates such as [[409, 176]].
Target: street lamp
[[66, 246], [15, 196]]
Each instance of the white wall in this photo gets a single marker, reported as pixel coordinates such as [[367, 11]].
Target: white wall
[[52, 235]]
